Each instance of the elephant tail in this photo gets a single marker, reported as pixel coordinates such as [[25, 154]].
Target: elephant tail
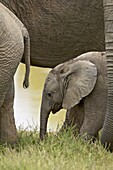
[[26, 56]]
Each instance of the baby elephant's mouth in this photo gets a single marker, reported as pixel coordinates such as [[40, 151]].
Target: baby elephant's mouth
[[56, 108]]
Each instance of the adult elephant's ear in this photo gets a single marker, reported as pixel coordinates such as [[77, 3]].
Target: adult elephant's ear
[[79, 80]]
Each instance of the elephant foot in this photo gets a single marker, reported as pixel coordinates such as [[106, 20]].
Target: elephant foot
[[8, 132], [8, 137], [69, 126], [89, 138]]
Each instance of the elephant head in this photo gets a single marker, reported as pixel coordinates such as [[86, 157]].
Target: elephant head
[[107, 133], [64, 87]]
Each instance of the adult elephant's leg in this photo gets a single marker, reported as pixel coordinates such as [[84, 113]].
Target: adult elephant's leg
[[7, 122], [107, 133]]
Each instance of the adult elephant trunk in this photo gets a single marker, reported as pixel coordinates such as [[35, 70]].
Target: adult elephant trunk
[[107, 133], [43, 121]]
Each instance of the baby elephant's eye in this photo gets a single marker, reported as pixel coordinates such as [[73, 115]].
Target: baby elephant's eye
[[49, 94]]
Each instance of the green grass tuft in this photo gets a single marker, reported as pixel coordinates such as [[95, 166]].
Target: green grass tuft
[[56, 152]]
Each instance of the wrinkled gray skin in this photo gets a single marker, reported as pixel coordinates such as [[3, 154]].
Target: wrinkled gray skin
[[62, 29], [107, 133], [14, 44], [79, 86]]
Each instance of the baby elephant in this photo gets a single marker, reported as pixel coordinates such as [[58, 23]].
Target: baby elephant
[[80, 87], [14, 45]]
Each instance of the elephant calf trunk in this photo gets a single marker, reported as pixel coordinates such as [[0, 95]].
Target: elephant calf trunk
[[43, 124]]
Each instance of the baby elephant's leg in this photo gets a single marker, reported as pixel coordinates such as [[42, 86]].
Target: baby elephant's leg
[[8, 131], [95, 109], [74, 118]]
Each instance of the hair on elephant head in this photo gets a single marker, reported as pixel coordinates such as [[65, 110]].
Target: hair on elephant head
[[66, 85]]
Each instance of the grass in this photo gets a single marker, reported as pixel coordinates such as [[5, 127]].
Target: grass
[[57, 152]]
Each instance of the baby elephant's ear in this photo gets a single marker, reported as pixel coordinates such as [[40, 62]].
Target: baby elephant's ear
[[80, 82]]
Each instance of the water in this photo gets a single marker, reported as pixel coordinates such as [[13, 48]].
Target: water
[[28, 101]]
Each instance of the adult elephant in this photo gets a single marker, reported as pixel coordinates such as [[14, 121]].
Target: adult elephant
[[63, 29], [14, 44], [107, 133], [60, 29]]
